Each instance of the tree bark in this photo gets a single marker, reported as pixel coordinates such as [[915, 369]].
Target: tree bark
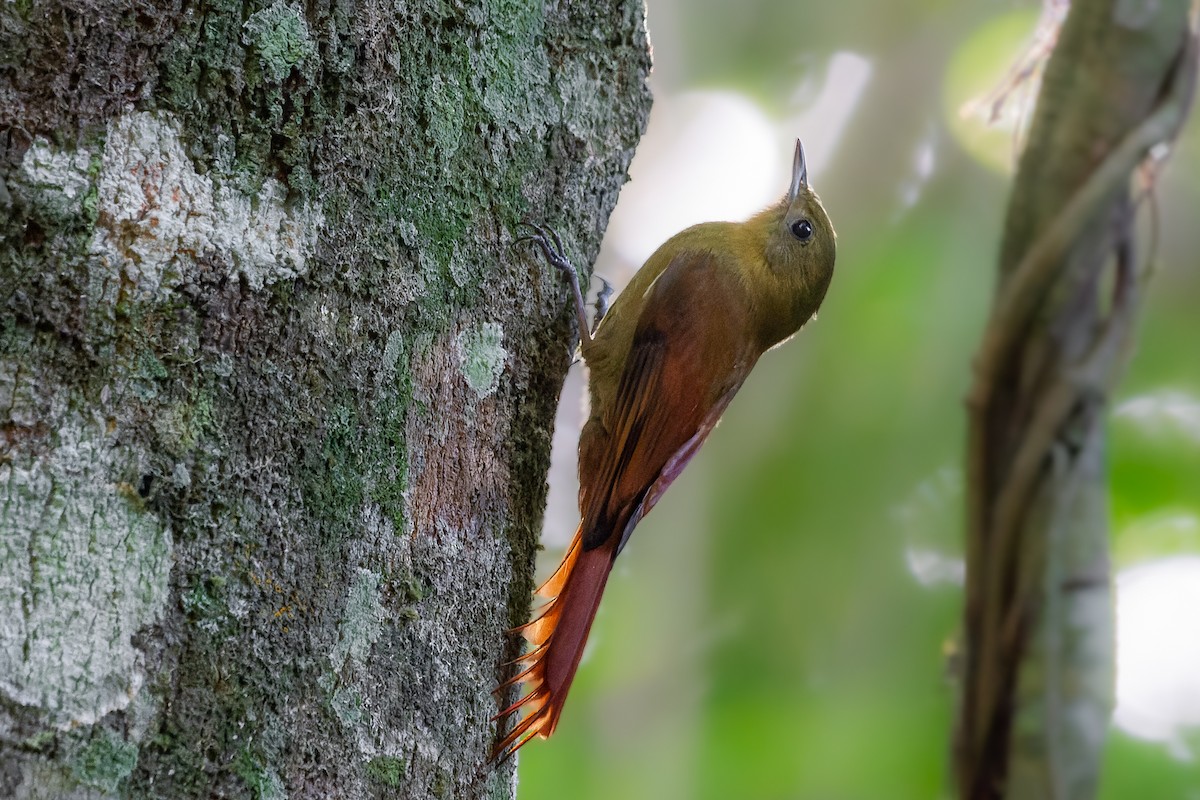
[[1039, 631], [275, 390]]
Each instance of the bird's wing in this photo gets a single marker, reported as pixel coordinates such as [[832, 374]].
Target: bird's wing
[[690, 353]]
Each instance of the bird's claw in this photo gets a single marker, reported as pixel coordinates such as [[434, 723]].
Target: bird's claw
[[550, 243], [552, 248]]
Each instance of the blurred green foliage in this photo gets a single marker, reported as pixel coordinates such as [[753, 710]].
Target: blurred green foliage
[[765, 634]]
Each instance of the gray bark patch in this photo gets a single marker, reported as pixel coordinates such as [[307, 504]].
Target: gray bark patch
[[156, 216], [482, 355], [82, 569]]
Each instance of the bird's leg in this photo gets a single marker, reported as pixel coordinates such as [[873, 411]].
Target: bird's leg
[[547, 239], [601, 303]]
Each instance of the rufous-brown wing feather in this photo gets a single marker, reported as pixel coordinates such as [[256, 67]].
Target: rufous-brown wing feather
[[690, 353]]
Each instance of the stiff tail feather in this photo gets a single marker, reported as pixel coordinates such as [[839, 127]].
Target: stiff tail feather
[[558, 634]]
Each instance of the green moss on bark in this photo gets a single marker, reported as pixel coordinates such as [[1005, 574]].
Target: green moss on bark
[[104, 762], [386, 770]]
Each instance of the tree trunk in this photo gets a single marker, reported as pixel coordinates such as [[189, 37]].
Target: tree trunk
[[1039, 630], [275, 391]]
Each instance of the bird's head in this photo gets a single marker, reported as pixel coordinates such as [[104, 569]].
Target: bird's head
[[801, 245]]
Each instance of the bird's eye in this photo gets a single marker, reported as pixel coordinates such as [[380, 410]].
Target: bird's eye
[[802, 229]]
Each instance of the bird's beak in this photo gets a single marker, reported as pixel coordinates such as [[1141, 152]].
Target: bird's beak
[[799, 174]]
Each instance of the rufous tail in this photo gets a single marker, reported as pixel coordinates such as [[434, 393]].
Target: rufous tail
[[557, 634]]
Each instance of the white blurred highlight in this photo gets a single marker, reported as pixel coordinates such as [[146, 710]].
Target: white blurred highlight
[[933, 568], [1158, 650], [705, 156], [715, 155], [821, 124], [1167, 409]]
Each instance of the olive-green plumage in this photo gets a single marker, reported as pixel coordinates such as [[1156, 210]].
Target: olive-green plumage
[[663, 365]]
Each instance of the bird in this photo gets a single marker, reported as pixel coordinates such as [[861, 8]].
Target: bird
[[663, 364]]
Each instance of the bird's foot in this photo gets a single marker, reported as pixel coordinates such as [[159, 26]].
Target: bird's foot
[[551, 246]]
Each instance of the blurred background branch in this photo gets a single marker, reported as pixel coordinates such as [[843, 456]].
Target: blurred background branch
[[1039, 628]]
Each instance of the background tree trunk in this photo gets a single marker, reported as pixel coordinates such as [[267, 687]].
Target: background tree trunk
[[1039, 629], [275, 392]]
